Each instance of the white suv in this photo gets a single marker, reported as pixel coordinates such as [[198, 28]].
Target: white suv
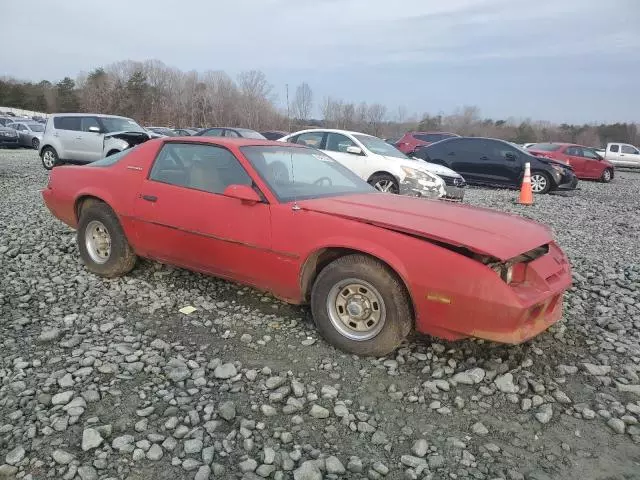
[[87, 137]]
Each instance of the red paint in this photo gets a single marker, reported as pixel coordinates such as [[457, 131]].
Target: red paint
[[410, 141], [585, 168], [266, 244]]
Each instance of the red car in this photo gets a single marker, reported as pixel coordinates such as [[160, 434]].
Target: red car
[[412, 140], [586, 162], [290, 220]]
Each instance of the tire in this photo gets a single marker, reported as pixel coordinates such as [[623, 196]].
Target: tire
[[96, 219], [384, 182], [540, 182], [394, 312], [35, 143], [606, 176], [49, 158]]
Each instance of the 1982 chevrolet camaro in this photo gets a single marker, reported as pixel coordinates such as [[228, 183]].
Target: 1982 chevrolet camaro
[[290, 220]]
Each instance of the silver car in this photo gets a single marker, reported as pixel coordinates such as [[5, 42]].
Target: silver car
[[87, 137], [29, 133]]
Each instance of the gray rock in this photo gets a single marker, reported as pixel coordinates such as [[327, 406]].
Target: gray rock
[[269, 455], [91, 438], [597, 370], [203, 473], [87, 472], [355, 465], [192, 446], [8, 471], [629, 388], [225, 371], [123, 442], [616, 425], [318, 412], [274, 382], [379, 438], [49, 335], [470, 377], [435, 461], [227, 410], [265, 470], [248, 465], [420, 447], [177, 370], [61, 457], [190, 464], [544, 413], [155, 452], [307, 471], [560, 396], [334, 466], [62, 398], [505, 383], [411, 461], [15, 456], [479, 429], [380, 467]]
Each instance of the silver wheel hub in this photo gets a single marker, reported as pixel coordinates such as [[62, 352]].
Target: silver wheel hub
[[538, 183], [356, 309], [607, 175], [98, 241], [48, 159], [384, 185]]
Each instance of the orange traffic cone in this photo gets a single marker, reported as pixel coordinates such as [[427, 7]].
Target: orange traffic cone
[[526, 194]]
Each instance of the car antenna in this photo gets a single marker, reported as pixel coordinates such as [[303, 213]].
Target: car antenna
[[295, 206]]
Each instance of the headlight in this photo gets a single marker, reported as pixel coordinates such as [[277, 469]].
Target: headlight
[[558, 169], [421, 176]]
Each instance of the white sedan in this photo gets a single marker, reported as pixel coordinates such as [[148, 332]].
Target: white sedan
[[380, 164]]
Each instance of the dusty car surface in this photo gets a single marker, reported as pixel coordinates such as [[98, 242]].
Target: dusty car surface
[[290, 220]]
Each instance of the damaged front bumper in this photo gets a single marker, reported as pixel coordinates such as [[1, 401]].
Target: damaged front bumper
[[425, 186]]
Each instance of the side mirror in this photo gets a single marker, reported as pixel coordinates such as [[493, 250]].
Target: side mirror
[[94, 129], [354, 150], [242, 192]]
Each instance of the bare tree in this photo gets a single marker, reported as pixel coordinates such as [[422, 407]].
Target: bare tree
[[303, 102]]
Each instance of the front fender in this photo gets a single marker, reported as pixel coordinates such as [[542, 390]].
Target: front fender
[[111, 143]]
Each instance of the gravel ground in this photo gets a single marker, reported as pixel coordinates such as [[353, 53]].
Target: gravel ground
[[106, 379]]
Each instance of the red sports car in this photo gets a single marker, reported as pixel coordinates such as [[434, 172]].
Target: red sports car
[[586, 162], [412, 140], [290, 220]]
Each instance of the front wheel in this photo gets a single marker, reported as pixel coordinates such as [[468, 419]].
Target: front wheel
[[360, 306], [49, 158], [103, 246], [606, 176], [540, 182], [385, 183]]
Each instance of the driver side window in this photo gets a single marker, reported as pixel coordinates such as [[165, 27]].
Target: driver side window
[[310, 139], [629, 150], [87, 122], [337, 142], [574, 151], [590, 154]]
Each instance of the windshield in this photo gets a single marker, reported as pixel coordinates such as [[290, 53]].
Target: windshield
[[379, 146], [120, 124], [545, 147], [36, 127], [298, 173], [246, 133]]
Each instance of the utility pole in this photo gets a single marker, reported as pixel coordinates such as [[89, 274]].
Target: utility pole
[[288, 112]]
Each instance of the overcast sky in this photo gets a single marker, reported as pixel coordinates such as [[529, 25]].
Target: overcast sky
[[558, 60]]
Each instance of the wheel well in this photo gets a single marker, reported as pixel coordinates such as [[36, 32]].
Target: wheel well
[[84, 202], [323, 257], [382, 172], [44, 147]]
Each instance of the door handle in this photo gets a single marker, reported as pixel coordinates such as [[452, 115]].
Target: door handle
[[78, 138], [149, 198], [484, 157]]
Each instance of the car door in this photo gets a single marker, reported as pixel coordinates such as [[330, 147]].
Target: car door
[[184, 218], [593, 163], [501, 163], [21, 130], [90, 144], [336, 144], [630, 155], [67, 129], [613, 152], [463, 156], [572, 155]]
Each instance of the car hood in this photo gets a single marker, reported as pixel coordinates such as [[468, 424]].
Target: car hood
[[127, 133], [439, 169], [483, 231], [540, 156]]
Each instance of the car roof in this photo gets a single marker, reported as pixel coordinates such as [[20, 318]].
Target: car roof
[[100, 115], [230, 141], [330, 130], [432, 131]]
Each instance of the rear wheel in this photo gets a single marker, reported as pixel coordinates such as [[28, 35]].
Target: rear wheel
[[49, 158], [540, 182], [360, 306], [606, 176], [35, 143], [384, 182], [103, 247]]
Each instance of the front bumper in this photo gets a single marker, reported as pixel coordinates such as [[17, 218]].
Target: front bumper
[[8, 141], [454, 187], [567, 182], [499, 312], [419, 187]]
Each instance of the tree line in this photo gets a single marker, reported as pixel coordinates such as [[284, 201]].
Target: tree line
[[156, 94]]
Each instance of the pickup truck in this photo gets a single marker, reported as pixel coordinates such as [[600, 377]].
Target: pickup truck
[[622, 155]]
